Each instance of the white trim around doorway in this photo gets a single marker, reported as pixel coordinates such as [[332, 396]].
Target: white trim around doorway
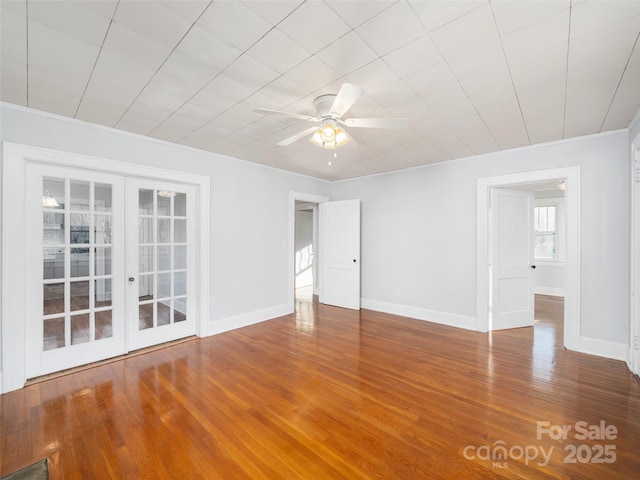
[[15, 157], [301, 197], [571, 176]]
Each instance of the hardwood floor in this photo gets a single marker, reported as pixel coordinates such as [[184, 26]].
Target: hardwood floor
[[332, 393]]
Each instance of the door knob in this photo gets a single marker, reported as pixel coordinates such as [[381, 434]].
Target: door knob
[[132, 279], [533, 266]]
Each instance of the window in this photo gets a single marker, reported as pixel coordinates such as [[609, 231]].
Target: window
[[545, 230]]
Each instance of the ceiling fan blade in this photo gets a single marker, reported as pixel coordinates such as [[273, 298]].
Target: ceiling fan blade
[[297, 136], [286, 114], [392, 123], [347, 96]]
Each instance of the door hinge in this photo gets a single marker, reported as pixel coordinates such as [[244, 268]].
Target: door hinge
[[636, 343]]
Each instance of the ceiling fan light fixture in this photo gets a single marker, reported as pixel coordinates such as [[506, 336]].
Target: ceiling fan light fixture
[[328, 136]]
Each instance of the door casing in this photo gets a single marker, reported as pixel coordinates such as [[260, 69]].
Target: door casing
[[571, 176]]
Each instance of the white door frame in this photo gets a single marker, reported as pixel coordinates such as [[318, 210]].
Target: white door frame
[[301, 197], [12, 322], [634, 320], [571, 176]]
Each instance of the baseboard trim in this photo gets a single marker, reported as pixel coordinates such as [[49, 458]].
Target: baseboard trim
[[246, 319], [554, 292], [449, 319], [604, 348]]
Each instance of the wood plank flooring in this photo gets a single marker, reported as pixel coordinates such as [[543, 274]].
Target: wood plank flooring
[[331, 393]]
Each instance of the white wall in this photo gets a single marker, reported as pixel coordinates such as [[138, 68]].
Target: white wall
[[419, 231], [249, 207]]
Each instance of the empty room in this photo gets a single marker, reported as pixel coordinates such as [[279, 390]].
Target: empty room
[[320, 239]]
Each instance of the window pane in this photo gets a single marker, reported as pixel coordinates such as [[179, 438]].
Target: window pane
[[551, 219], [164, 258], [80, 329], [102, 292], [145, 260], [164, 203], [180, 310], [80, 228], [164, 285], [53, 193], [542, 220], [53, 295], [145, 202], [180, 231], [102, 261], [145, 316], [164, 230], [104, 327], [103, 229], [545, 246], [79, 295], [145, 287], [53, 330], [53, 263], [145, 230], [102, 199], [79, 195], [180, 283], [179, 257], [180, 205], [53, 228], [79, 262], [164, 313]]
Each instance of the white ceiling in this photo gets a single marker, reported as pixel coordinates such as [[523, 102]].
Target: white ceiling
[[472, 76]]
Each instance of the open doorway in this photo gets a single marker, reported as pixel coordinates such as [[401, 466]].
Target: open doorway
[[305, 252], [304, 258], [543, 180]]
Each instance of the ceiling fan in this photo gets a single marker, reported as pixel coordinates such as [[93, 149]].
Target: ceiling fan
[[327, 132]]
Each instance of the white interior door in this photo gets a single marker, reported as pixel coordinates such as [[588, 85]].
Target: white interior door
[[74, 308], [512, 282], [160, 262], [340, 253]]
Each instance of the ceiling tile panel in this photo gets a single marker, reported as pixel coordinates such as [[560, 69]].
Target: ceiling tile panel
[[391, 29], [466, 32], [59, 64], [413, 57], [251, 73], [435, 14], [278, 51], [207, 49], [356, 12], [67, 17], [234, 23], [537, 37], [592, 16], [347, 54], [136, 47], [511, 16], [273, 11], [174, 128], [187, 69], [314, 26], [373, 76], [188, 9], [312, 74], [153, 21]]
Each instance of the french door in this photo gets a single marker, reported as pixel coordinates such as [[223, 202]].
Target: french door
[[110, 265], [160, 262]]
